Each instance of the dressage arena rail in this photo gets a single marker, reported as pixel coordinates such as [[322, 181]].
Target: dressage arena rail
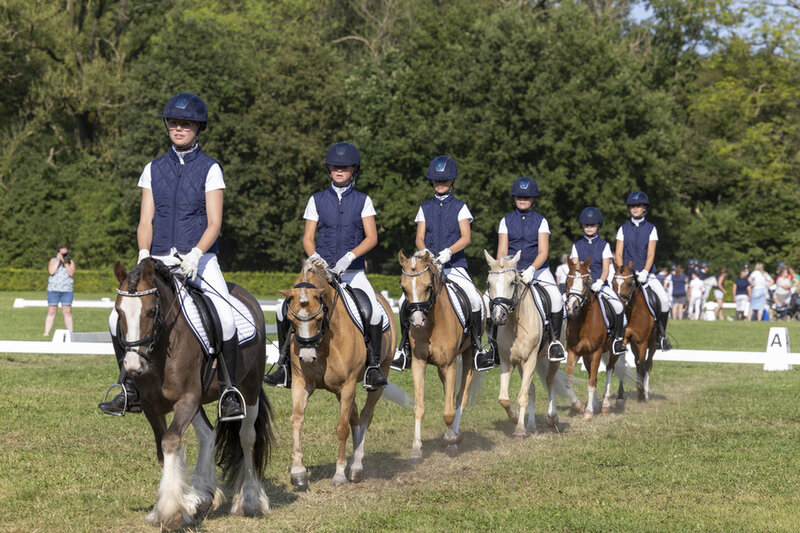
[[98, 343]]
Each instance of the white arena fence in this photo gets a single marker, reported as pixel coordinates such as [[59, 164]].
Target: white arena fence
[[777, 355]]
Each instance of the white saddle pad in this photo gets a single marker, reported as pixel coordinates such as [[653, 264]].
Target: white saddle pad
[[352, 310]]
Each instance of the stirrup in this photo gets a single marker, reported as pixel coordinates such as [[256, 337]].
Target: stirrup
[[488, 363], [231, 390], [287, 376], [371, 388], [664, 344], [397, 364], [559, 356], [124, 394], [622, 349]]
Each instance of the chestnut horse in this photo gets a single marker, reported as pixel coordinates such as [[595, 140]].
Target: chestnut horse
[[519, 341], [641, 332], [437, 338], [587, 338], [166, 362], [328, 352]]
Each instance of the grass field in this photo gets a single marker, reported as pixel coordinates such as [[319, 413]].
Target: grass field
[[716, 449]]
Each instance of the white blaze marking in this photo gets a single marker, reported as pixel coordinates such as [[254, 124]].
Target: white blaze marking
[[132, 310]]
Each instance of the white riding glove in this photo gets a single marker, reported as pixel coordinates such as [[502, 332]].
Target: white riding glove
[[143, 254], [344, 262], [597, 285], [444, 256], [190, 262], [316, 258], [642, 276], [527, 274]]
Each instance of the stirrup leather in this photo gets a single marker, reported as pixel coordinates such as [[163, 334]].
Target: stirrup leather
[[124, 395], [231, 390]]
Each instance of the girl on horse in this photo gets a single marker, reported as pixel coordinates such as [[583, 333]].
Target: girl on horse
[[636, 241], [181, 213], [591, 245], [345, 219], [443, 227], [525, 229]]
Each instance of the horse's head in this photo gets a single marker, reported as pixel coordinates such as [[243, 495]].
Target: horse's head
[[138, 305], [502, 283], [578, 284], [624, 281], [419, 284], [307, 310]]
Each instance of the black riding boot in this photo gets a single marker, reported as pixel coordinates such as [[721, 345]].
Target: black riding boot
[[402, 357], [117, 405], [495, 351], [231, 404], [618, 345], [661, 324], [281, 376], [483, 360], [555, 351], [373, 377]]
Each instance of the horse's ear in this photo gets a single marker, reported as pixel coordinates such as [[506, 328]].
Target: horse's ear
[[489, 258], [515, 259], [285, 294], [119, 272], [148, 273], [401, 257], [630, 265], [586, 263]]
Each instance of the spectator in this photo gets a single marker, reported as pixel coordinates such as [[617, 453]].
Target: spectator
[[719, 291], [759, 281], [668, 283], [561, 274], [678, 293], [696, 291], [709, 283], [742, 296], [783, 282], [59, 288]]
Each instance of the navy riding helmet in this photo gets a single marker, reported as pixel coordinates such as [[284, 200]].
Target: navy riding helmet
[[637, 198], [343, 154], [525, 187], [187, 106], [442, 168], [591, 215]]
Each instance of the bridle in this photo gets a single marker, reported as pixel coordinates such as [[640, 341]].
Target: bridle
[[313, 341], [508, 304], [155, 330], [427, 304], [581, 296], [621, 279]]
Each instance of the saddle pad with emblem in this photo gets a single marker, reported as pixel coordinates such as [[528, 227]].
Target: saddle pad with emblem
[[457, 298], [355, 315]]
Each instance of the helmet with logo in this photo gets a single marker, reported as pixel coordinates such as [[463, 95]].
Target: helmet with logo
[[525, 187], [637, 198], [187, 106], [703, 265], [591, 215], [343, 154], [692, 262], [442, 168]]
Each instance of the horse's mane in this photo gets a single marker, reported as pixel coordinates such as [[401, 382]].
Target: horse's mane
[[426, 256], [160, 269]]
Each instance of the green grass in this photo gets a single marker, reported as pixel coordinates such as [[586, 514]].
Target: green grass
[[716, 449]]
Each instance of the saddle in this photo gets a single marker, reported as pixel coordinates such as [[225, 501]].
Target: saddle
[[609, 315], [460, 303]]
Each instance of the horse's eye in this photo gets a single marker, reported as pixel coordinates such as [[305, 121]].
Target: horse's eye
[[151, 313]]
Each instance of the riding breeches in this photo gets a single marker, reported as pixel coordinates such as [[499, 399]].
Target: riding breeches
[[655, 286], [212, 284], [459, 276], [544, 278], [607, 294], [357, 279]]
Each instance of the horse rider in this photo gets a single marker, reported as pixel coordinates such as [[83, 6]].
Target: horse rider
[[526, 230], [443, 227], [345, 218], [594, 247], [181, 213], [636, 241]]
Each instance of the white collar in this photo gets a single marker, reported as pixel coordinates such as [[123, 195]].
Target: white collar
[[590, 239], [637, 222], [442, 197], [183, 153], [341, 190]]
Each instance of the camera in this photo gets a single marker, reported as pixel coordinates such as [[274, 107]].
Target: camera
[[66, 259]]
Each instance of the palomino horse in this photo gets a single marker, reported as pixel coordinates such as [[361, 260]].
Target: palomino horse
[[437, 337], [167, 363], [641, 332], [587, 338], [328, 352], [519, 341]]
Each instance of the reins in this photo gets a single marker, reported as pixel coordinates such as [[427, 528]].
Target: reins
[[510, 304], [326, 312]]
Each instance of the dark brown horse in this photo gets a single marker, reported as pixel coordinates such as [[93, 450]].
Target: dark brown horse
[[641, 332], [586, 338], [328, 352], [437, 338], [167, 363]]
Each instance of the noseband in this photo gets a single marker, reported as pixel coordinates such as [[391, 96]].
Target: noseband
[[508, 304], [426, 305], [313, 341], [581, 296], [155, 330]]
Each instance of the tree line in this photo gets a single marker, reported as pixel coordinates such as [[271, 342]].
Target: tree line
[[695, 102]]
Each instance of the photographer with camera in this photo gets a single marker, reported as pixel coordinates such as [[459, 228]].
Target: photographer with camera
[[59, 288]]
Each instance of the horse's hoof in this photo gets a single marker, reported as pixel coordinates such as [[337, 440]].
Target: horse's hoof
[[338, 481], [203, 508], [300, 480], [588, 415], [521, 435], [551, 421], [578, 407], [451, 451], [356, 476], [620, 403], [605, 410], [415, 457]]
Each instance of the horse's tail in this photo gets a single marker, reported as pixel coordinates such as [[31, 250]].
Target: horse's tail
[[229, 454]]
